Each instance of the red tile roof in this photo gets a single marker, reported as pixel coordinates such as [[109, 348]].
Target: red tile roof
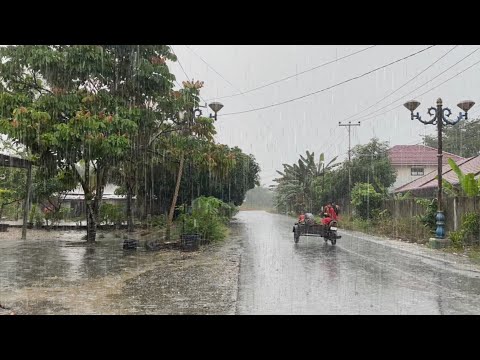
[[418, 155], [471, 165]]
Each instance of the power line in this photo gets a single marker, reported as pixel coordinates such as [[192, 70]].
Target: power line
[[425, 83], [211, 67], [329, 87], [300, 73], [184, 72], [179, 63], [374, 116], [393, 92]]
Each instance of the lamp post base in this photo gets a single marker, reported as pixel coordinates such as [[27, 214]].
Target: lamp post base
[[440, 221], [436, 243]]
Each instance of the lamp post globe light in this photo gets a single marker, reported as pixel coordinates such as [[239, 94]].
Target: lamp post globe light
[[216, 107], [440, 117]]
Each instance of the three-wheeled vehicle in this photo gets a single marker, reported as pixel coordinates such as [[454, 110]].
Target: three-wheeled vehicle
[[328, 232]]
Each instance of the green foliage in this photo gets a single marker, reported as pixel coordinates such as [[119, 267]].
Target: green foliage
[[461, 139], [6, 196], [405, 229], [399, 196], [301, 186], [12, 180], [381, 215], [36, 217], [428, 218], [89, 104], [469, 185], [471, 223], [57, 214], [457, 238], [469, 231], [369, 164], [158, 221], [111, 214], [211, 170], [208, 218], [50, 189], [365, 200], [449, 189], [227, 211]]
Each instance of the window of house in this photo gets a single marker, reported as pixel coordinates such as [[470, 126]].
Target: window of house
[[417, 171]]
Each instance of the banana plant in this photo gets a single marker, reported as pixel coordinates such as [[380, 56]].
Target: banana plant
[[468, 183]]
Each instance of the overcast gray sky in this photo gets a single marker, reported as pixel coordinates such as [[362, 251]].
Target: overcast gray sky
[[279, 134]]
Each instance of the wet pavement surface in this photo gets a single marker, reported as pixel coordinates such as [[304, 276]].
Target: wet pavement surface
[[57, 273], [357, 276], [257, 270]]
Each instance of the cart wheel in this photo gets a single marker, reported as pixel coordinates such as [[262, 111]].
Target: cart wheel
[[296, 238], [334, 241]]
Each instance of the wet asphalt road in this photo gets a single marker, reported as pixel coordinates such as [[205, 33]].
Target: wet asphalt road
[[356, 276]]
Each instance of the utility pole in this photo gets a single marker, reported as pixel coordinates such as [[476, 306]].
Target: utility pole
[[349, 154]]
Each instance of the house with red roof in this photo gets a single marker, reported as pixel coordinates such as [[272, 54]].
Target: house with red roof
[[412, 162], [427, 185]]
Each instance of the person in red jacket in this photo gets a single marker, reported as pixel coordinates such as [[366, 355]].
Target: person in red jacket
[[301, 218], [332, 212], [329, 213]]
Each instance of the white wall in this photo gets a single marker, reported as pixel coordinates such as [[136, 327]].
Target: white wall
[[404, 173]]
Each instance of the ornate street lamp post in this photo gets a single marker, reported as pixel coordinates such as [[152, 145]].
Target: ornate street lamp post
[[440, 117]]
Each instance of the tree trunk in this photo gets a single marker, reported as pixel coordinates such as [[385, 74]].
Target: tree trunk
[[129, 209], [26, 206], [175, 196], [98, 192], [90, 212], [91, 223]]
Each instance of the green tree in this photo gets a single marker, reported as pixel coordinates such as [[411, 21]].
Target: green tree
[[192, 129], [6, 197], [50, 191], [229, 173], [65, 104], [369, 164], [144, 91], [462, 139], [365, 200], [301, 185]]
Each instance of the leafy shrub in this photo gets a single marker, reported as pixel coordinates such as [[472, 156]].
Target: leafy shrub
[[365, 200], [208, 218], [428, 219], [111, 214]]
